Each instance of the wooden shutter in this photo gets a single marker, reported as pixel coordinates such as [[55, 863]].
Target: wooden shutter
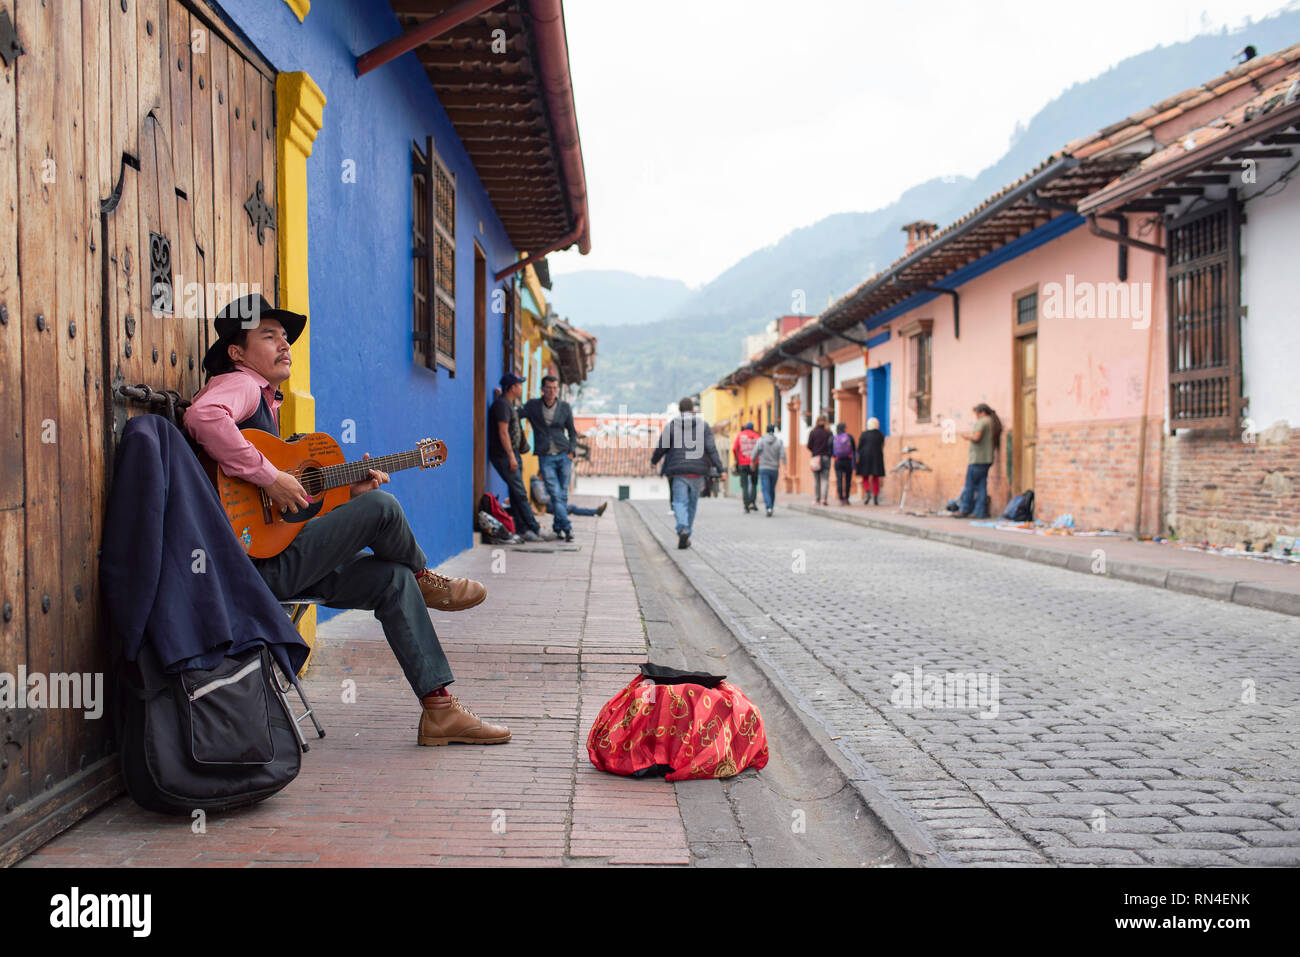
[[1204, 331], [433, 254], [421, 271]]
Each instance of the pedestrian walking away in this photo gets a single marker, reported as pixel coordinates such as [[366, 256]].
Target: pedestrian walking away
[[983, 439], [769, 453], [845, 451], [555, 441], [742, 455], [819, 447], [871, 461], [326, 559], [505, 445], [689, 452]]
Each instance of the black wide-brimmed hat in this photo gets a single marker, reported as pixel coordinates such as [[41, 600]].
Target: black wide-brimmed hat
[[245, 313]]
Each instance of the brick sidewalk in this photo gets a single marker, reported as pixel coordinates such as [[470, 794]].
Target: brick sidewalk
[[559, 634]]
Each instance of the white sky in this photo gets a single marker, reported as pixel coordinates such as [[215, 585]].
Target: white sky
[[711, 128]]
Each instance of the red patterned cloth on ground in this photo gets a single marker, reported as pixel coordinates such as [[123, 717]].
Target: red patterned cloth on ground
[[686, 729]]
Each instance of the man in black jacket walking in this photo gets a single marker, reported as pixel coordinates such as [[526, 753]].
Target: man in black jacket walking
[[689, 451]]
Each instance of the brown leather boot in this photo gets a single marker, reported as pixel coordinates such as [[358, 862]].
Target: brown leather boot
[[449, 594], [446, 721]]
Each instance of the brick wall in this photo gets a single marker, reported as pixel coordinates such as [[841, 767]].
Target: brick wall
[[1089, 469], [1222, 489]]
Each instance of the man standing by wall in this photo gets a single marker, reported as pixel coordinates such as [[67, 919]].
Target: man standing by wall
[[554, 441], [505, 440], [688, 448], [742, 454]]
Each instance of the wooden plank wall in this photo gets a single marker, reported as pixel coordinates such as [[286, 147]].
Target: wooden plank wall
[[151, 111], [14, 784]]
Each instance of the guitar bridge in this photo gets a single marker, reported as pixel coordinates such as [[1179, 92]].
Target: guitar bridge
[[268, 510]]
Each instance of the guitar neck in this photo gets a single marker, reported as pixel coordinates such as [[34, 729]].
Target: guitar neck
[[349, 473]]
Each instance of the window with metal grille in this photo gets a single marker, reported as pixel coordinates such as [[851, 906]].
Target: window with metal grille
[[921, 345], [1026, 308], [1204, 333], [433, 260]]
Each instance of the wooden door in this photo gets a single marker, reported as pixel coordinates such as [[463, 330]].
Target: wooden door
[[124, 179], [190, 223], [1026, 424]]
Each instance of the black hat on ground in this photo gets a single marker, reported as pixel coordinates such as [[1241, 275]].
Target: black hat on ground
[[241, 314]]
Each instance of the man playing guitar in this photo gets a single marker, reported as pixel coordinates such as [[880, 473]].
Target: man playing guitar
[[246, 364]]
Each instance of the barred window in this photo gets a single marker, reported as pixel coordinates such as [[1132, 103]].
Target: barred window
[[1204, 332], [433, 260], [1026, 308]]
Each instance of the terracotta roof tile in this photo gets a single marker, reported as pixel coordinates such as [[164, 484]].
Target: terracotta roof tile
[[629, 459], [1259, 106], [1086, 148]]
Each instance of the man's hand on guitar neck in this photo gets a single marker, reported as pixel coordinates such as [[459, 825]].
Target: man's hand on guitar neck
[[377, 478], [287, 493]]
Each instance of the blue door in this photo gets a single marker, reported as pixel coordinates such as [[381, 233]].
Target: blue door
[[878, 395]]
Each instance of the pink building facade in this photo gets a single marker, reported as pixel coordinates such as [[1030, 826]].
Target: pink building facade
[[1053, 307]]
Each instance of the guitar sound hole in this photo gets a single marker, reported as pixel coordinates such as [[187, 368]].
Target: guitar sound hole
[[311, 480]]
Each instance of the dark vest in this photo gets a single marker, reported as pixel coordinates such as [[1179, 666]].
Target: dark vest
[[261, 419]]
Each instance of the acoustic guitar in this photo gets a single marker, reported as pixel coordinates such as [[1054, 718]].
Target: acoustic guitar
[[316, 461]]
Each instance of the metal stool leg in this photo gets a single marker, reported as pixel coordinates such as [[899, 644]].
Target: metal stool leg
[[310, 712], [296, 610], [296, 719]]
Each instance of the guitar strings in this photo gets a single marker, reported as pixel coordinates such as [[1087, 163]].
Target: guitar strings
[[318, 480]]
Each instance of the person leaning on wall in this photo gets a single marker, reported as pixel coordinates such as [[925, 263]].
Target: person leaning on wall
[[984, 440]]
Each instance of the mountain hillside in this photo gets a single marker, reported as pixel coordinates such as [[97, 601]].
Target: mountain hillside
[[647, 366], [611, 297]]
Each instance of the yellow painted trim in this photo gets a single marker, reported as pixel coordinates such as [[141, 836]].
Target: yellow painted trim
[[534, 287], [301, 106], [300, 8]]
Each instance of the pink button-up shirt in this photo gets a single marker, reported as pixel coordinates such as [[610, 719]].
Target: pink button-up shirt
[[227, 399]]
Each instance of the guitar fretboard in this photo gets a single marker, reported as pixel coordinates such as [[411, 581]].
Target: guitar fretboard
[[332, 476]]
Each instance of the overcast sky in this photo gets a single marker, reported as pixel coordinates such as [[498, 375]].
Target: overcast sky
[[711, 128]]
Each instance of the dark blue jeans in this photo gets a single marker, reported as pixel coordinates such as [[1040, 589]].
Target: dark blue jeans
[[975, 494], [748, 484], [767, 478]]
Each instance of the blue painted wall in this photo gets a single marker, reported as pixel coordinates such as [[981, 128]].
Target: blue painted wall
[[362, 365]]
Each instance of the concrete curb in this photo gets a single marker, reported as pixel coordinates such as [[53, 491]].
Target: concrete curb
[[731, 612], [1268, 597]]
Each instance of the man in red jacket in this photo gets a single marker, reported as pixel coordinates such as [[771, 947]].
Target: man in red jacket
[[742, 455]]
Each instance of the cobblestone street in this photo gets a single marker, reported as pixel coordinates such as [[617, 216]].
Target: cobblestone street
[[1119, 724]]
